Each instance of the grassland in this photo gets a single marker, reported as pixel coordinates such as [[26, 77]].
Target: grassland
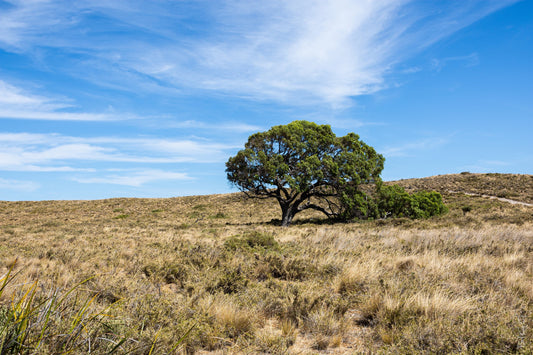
[[217, 274]]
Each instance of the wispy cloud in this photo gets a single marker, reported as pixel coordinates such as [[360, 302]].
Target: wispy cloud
[[27, 186], [16, 103], [410, 148], [469, 60], [16, 98], [135, 179], [54, 152], [486, 166], [295, 52], [228, 126]]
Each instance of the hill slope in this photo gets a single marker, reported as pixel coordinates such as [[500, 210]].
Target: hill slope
[[511, 186], [215, 269]]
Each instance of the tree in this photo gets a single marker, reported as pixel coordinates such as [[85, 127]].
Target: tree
[[304, 166]]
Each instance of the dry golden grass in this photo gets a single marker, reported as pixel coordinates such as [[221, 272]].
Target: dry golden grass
[[214, 269], [511, 186]]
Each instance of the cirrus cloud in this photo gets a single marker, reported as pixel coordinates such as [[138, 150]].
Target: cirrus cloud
[[294, 52]]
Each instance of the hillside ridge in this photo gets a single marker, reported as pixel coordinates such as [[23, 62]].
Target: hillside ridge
[[513, 187]]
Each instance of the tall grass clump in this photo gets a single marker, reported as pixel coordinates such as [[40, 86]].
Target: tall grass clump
[[57, 321]]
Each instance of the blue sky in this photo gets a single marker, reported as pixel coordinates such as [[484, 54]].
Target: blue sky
[[104, 99]]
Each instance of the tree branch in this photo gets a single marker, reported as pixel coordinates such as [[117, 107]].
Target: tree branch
[[317, 208]]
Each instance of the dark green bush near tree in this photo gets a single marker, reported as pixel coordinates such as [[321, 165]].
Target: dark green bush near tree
[[428, 204], [394, 201], [357, 204]]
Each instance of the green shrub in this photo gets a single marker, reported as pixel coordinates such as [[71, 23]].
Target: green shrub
[[427, 204], [466, 209], [394, 201], [391, 201], [356, 204], [230, 281], [287, 268]]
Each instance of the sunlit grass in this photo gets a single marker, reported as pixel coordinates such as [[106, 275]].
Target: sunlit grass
[[212, 274]]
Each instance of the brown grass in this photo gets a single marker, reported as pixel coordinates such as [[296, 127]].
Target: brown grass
[[214, 265], [511, 186]]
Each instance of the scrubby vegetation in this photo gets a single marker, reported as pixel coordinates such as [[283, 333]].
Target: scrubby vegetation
[[391, 201], [210, 274]]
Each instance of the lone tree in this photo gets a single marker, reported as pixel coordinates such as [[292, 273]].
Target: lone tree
[[304, 166]]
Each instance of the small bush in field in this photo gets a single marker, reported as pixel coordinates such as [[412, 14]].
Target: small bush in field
[[231, 281], [466, 209], [394, 201], [427, 204], [252, 240]]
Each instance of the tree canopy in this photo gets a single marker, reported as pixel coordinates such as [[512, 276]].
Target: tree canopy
[[304, 166]]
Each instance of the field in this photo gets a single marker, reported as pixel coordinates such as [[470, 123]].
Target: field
[[215, 274]]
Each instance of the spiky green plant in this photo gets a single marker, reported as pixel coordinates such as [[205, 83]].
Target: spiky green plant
[[64, 321]]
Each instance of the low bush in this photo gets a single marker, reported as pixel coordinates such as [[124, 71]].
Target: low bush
[[393, 201], [252, 240]]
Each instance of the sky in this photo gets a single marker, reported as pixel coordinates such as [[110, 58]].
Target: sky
[[102, 99]]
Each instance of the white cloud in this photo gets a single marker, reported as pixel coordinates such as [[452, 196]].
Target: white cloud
[[135, 179], [229, 126], [59, 116], [408, 148], [486, 166], [296, 52], [16, 103], [54, 152], [411, 70], [14, 98], [469, 60], [27, 186]]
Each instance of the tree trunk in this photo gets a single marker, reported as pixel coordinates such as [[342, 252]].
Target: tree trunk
[[287, 214]]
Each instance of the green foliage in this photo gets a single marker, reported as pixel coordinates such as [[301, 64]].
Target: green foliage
[[394, 201], [357, 204], [29, 322], [466, 209], [391, 201], [427, 204], [302, 160]]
